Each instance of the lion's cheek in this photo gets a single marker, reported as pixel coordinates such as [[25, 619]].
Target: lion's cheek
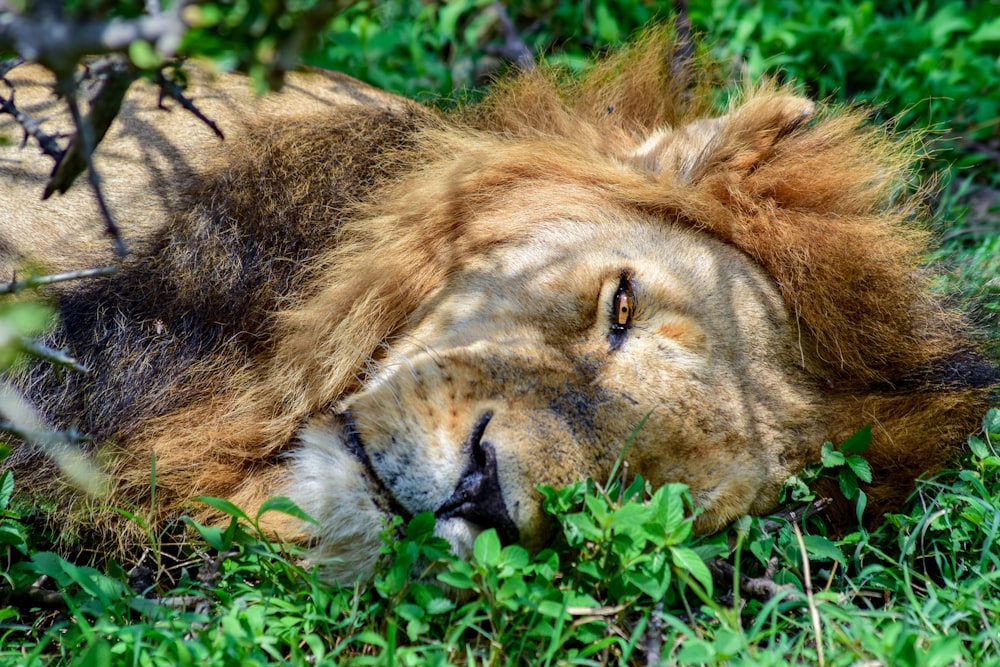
[[335, 490]]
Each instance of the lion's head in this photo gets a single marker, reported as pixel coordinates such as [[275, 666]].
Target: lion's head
[[378, 309], [542, 358]]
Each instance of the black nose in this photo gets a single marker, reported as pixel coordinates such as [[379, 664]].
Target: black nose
[[478, 497]]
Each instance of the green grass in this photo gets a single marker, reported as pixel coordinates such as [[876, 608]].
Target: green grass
[[626, 578]]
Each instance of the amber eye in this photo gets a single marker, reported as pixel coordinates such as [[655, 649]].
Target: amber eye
[[624, 305], [622, 312]]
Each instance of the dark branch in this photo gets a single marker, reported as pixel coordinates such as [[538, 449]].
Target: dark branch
[[170, 88], [758, 588], [116, 76], [685, 45], [33, 597], [30, 126]]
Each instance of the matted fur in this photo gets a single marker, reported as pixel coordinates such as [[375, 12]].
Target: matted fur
[[371, 269]]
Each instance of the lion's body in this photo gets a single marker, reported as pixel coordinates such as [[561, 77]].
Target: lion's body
[[375, 308]]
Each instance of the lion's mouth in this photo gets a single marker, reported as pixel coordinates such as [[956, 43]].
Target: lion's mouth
[[478, 496]]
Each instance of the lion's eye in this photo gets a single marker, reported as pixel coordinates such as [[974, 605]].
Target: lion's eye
[[622, 311], [624, 305]]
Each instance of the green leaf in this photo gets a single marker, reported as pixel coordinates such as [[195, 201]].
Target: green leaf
[[515, 556], [978, 447], [860, 467], [439, 606], [13, 535], [599, 510], [409, 611], [551, 608], [859, 506], [97, 654], [858, 442], [459, 580], [668, 505], [143, 55], [420, 527], [607, 26], [224, 506], [51, 565], [848, 483], [688, 560], [991, 422], [653, 584], [987, 32], [696, 652], [822, 548], [285, 506], [214, 535], [830, 456], [578, 527], [6, 488], [728, 642], [486, 549], [630, 517]]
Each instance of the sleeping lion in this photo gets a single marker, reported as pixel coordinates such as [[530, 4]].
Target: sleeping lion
[[378, 308]]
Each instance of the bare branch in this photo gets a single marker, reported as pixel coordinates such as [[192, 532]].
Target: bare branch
[[57, 357], [685, 46], [758, 588], [38, 281], [9, 64]]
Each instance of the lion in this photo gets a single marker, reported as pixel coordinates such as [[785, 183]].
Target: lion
[[378, 308]]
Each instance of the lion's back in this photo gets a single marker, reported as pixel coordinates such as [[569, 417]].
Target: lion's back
[[152, 155]]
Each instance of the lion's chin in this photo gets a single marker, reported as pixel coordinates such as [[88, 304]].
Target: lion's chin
[[337, 490]]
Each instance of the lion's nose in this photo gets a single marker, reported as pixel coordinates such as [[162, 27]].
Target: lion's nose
[[478, 497]]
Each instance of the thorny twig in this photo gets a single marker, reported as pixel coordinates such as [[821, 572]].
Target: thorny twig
[[209, 573], [170, 89], [86, 140], [59, 43], [30, 126], [653, 639], [794, 513]]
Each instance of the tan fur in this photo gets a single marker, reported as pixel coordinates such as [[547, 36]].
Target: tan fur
[[437, 289]]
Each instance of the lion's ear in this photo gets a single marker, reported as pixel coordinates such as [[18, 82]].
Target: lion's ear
[[737, 141]]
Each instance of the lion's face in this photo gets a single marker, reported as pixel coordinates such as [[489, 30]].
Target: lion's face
[[537, 362]]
